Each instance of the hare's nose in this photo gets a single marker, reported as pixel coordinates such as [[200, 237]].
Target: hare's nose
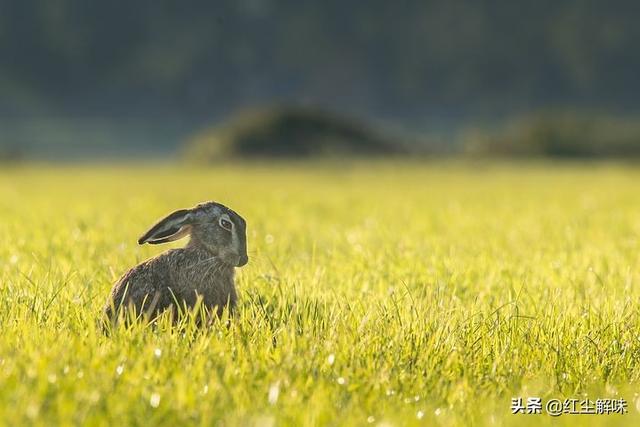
[[243, 260]]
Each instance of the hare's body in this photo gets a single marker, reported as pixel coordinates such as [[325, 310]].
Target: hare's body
[[202, 271], [179, 276]]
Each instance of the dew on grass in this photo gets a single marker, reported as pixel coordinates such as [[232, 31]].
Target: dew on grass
[[119, 370], [157, 352], [154, 400], [274, 392], [331, 359], [33, 409]]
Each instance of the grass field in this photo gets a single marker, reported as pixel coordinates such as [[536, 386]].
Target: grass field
[[385, 293]]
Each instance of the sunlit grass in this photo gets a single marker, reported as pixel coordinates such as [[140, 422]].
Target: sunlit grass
[[399, 293]]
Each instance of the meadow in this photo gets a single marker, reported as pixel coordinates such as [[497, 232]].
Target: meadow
[[377, 293]]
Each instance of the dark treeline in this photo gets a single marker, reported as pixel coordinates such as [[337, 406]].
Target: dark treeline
[[404, 61]]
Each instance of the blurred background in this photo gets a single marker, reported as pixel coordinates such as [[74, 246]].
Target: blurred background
[[208, 80]]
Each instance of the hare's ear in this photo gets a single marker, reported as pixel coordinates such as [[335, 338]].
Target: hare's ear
[[173, 227]]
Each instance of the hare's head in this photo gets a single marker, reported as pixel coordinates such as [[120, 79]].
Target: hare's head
[[211, 225]]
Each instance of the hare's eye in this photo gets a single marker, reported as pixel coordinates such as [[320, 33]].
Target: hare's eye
[[225, 224]]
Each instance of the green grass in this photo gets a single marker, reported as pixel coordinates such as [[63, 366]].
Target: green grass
[[379, 291]]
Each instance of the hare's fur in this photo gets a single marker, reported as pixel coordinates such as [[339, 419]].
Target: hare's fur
[[197, 273]]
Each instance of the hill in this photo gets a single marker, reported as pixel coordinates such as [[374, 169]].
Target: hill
[[289, 133]]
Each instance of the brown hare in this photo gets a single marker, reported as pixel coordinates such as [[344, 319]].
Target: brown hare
[[203, 269]]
